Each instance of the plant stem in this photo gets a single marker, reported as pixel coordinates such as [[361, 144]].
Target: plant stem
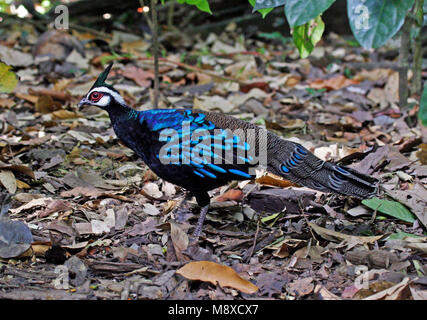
[[418, 52], [171, 12], [404, 63], [155, 52]]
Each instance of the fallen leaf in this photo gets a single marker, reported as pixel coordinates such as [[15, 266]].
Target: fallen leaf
[[152, 190], [216, 274], [301, 287], [334, 83], [232, 194], [7, 179], [141, 77], [337, 236], [8, 80], [391, 208], [273, 180], [180, 240], [397, 292], [150, 209]]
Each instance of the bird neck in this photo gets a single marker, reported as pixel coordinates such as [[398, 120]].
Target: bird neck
[[117, 111]]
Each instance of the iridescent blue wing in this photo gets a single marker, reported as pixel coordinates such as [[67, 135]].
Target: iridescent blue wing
[[192, 140]]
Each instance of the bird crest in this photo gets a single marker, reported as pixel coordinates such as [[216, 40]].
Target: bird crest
[[100, 82]]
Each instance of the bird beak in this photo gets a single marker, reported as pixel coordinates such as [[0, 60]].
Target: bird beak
[[83, 102]]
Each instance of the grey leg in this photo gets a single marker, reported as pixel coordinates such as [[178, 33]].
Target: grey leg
[[202, 216]]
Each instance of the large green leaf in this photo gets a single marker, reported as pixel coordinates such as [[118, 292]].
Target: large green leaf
[[263, 12], [422, 113], [202, 5], [391, 208], [373, 22], [299, 12], [307, 35], [262, 4], [8, 80]]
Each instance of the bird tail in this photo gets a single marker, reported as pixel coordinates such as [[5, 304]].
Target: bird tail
[[297, 164]]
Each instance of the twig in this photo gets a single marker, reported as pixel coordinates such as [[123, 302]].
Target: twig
[[153, 24], [254, 243], [404, 63], [196, 69], [155, 52], [97, 33], [418, 52], [171, 12]]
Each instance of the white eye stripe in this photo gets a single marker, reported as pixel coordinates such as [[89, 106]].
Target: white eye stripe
[[104, 101], [114, 94]]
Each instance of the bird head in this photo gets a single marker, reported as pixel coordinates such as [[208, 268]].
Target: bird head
[[101, 94]]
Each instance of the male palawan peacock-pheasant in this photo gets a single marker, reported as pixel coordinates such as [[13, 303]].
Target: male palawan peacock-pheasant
[[201, 150]]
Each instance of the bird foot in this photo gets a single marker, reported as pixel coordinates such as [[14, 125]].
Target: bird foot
[[199, 226]]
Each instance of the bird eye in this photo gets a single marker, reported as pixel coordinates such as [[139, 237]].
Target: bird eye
[[95, 96]]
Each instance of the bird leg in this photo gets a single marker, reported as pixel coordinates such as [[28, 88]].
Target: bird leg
[[199, 225]]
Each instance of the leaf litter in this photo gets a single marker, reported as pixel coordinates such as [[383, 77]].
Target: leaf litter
[[79, 195]]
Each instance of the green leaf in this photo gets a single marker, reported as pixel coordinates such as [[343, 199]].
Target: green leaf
[[373, 22], [276, 35], [401, 235], [8, 79], [262, 4], [422, 113], [390, 208], [307, 35], [202, 5], [300, 12], [263, 12]]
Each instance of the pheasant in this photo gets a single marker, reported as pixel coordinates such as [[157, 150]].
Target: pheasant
[[200, 150]]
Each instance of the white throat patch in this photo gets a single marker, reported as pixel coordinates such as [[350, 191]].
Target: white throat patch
[[105, 100]]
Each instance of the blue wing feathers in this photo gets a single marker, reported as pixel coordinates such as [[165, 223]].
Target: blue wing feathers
[[170, 122]]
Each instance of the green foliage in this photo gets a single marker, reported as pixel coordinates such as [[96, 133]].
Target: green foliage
[[4, 5], [263, 12], [8, 79], [425, 12], [202, 5], [300, 12], [263, 4], [275, 36], [373, 22], [307, 35], [422, 114], [390, 208], [401, 235]]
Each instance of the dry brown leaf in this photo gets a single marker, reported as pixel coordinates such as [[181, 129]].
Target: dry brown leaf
[[7, 179], [27, 97], [64, 114], [325, 294], [373, 75], [41, 202], [22, 185], [301, 287], [232, 194], [180, 241], [17, 168], [338, 236], [397, 292], [46, 104], [335, 83], [141, 77], [273, 180], [55, 94], [216, 274], [6, 103]]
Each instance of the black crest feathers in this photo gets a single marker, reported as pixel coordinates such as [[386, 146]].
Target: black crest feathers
[[103, 76]]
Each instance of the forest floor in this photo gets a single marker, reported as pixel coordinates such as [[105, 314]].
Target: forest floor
[[103, 225]]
